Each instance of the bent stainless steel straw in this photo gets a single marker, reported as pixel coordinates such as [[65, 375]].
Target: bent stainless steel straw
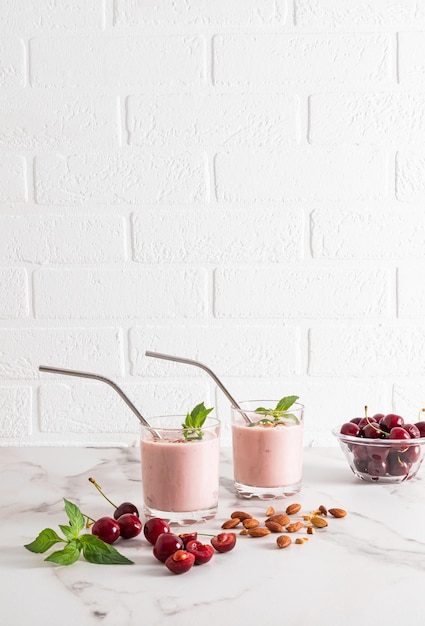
[[66, 372], [179, 359]]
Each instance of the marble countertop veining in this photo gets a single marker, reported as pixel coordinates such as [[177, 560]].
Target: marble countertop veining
[[368, 568]]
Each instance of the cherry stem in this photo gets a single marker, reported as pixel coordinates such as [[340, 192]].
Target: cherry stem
[[373, 425], [88, 518], [421, 414], [92, 480]]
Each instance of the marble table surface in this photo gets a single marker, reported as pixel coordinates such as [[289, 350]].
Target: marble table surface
[[368, 568]]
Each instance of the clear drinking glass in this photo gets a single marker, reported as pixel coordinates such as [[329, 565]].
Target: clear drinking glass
[[180, 474], [268, 452]]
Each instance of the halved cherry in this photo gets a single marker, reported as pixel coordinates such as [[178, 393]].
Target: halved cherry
[[224, 542], [202, 552], [180, 562]]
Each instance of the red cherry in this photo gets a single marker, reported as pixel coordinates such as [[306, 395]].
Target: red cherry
[[361, 465], [166, 545], [412, 454], [391, 420], [350, 429], [202, 552], [378, 417], [378, 453], [360, 452], [399, 433], [421, 427], [224, 542], [130, 525], [180, 562], [372, 431], [355, 420], [155, 527], [125, 507], [377, 468], [365, 421], [413, 430], [187, 537], [398, 467], [107, 529]]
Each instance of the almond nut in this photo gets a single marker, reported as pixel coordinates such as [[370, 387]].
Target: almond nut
[[338, 512], [280, 518], [323, 510], [241, 515], [275, 527], [295, 527], [270, 511], [293, 508], [258, 532], [231, 523], [318, 521], [250, 523], [283, 541]]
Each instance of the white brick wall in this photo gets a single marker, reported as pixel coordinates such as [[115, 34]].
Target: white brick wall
[[241, 183]]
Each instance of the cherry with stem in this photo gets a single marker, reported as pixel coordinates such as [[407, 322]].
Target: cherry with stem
[[125, 507]]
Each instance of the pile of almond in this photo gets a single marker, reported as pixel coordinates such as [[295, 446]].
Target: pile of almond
[[280, 522]]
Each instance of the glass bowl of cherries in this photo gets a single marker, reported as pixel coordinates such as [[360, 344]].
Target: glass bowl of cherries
[[382, 448]]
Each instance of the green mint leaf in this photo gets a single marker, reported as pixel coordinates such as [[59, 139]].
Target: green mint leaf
[[76, 518], [97, 551], [194, 422], [45, 540], [285, 403], [67, 556], [68, 531]]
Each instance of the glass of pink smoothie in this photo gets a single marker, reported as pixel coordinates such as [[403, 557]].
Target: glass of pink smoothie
[[267, 453], [180, 475]]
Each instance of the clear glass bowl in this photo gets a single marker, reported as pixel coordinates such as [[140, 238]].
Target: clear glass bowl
[[382, 460]]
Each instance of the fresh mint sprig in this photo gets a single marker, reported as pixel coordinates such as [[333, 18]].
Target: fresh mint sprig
[[192, 426], [94, 549], [279, 412]]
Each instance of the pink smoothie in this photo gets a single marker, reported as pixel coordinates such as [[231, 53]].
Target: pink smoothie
[[180, 475], [267, 456]]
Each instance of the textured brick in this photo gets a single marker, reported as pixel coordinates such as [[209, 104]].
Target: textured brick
[[120, 178], [260, 350], [411, 59], [275, 60], [410, 291], [410, 175], [193, 12], [275, 292], [14, 301], [12, 62], [61, 239], [367, 118], [174, 61], [15, 412], [97, 350], [385, 233], [90, 408], [123, 294], [24, 16], [367, 351], [13, 185], [213, 119], [226, 236], [301, 174], [364, 14], [47, 119]]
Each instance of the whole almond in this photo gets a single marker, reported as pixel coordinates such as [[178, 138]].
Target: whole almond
[[280, 518], [275, 527], [318, 521], [241, 515], [250, 523], [294, 527], [231, 523], [283, 541], [323, 510], [270, 511], [338, 512], [293, 508], [258, 532]]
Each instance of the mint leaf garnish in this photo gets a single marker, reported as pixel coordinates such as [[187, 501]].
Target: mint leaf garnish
[[67, 556], [279, 412], [97, 551], [45, 540], [194, 422], [76, 518], [94, 549]]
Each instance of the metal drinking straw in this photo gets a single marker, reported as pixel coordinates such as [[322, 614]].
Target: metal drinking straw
[[179, 359], [58, 370]]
